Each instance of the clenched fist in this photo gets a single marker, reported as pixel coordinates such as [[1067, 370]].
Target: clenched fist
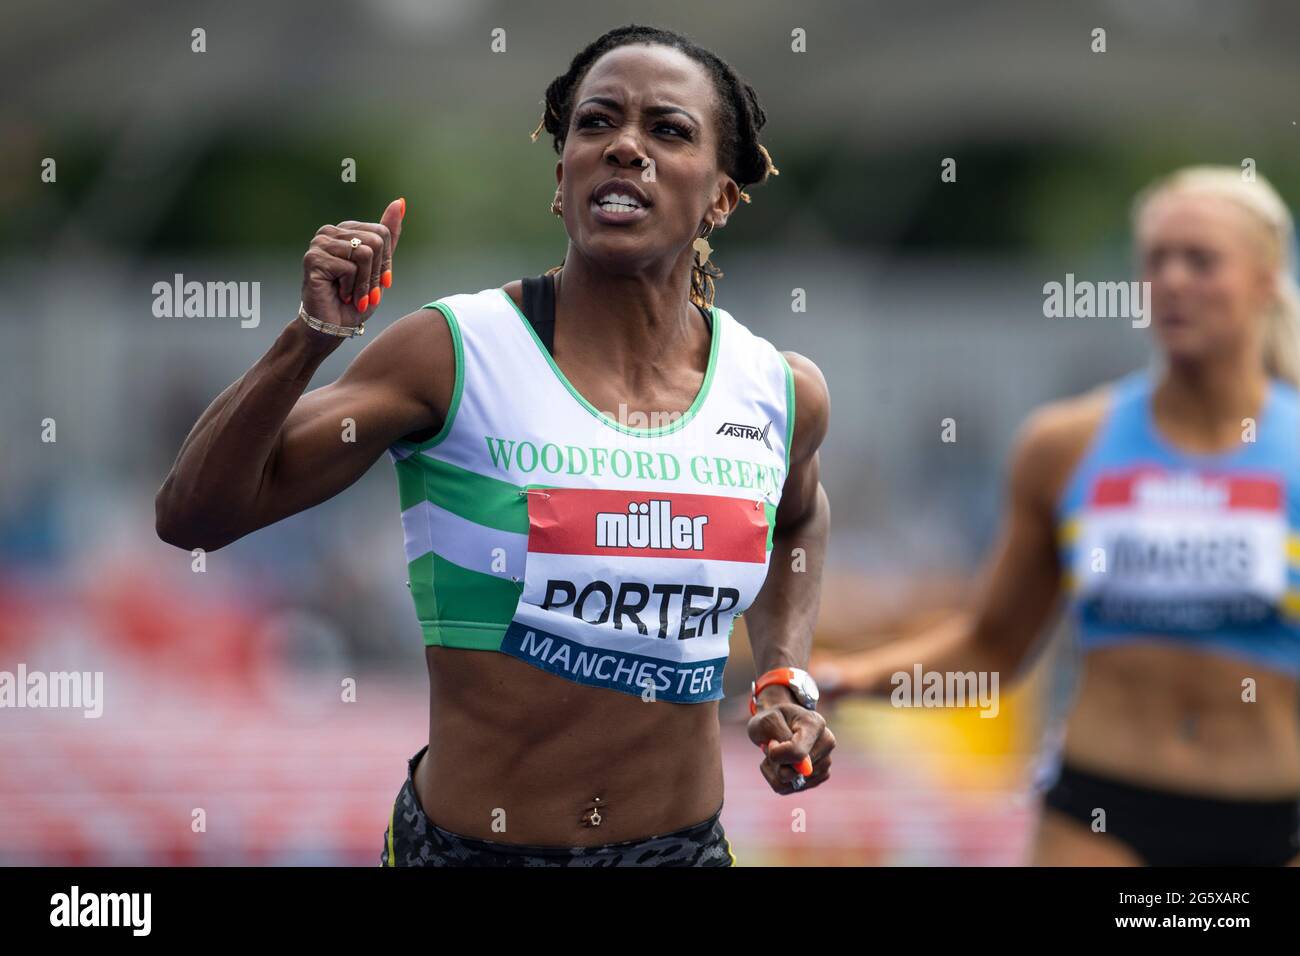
[[342, 279]]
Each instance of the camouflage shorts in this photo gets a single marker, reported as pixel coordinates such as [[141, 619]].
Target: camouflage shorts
[[412, 840]]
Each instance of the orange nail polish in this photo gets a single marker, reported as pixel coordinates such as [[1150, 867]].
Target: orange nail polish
[[363, 302], [347, 299], [387, 278], [804, 766], [375, 295], [403, 202]]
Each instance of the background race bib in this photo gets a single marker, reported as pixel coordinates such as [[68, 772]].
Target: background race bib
[[1173, 551]]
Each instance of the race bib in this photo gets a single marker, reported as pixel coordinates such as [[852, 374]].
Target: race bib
[[1182, 550], [636, 590]]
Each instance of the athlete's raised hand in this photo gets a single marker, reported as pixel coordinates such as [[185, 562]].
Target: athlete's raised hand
[[342, 279]]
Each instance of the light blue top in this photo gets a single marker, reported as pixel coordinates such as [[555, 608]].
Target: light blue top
[[1161, 544]]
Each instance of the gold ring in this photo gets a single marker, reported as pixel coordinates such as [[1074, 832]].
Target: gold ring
[[354, 243]]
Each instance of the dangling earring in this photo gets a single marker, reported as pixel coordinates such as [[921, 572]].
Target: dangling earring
[[557, 208], [701, 245]]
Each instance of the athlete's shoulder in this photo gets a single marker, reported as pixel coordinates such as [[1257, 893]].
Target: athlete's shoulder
[[409, 341], [468, 305], [812, 405], [1287, 392], [738, 333], [1055, 436], [1063, 423], [515, 290]]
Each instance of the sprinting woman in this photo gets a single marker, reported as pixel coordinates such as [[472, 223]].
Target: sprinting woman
[[576, 573]]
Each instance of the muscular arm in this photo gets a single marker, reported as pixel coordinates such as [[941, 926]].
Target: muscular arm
[[1020, 582], [796, 742], [781, 620], [263, 450]]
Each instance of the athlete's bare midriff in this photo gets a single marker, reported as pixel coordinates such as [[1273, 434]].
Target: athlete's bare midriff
[[1169, 717], [509, 742]]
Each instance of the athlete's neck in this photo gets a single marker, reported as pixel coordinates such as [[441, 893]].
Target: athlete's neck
[[1206, 402], [631, 321]]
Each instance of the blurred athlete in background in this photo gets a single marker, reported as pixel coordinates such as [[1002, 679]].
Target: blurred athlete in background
[[1165, 508]]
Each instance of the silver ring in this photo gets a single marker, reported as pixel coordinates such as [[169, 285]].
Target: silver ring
[[799, 781], [354, 242]]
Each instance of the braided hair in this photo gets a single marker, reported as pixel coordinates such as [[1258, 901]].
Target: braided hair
[[740, 118]]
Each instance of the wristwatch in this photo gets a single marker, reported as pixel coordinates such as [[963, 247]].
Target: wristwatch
[[799, 681]]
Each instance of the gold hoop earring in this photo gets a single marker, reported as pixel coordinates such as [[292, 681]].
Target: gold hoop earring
[[707, 230], [557, 207]]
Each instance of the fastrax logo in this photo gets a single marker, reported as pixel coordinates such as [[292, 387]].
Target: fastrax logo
[[746, 431]]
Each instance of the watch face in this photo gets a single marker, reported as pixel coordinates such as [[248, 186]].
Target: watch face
[[803, 684]]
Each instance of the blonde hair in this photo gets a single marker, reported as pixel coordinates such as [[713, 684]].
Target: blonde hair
[[1270, 213]]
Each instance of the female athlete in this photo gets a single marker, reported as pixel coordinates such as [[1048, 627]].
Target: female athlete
[[1166, 508], [576, 573]]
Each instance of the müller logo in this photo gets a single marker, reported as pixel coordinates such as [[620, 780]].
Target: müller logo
[[650, 524], [1188, 490], [733, 430]]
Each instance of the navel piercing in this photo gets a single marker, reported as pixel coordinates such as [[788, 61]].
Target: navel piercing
[[592, 817]]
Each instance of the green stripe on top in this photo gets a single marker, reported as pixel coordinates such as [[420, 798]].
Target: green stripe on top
[[458, 384], [789, 409], [490, 502], [769, 512], [458, 607]]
